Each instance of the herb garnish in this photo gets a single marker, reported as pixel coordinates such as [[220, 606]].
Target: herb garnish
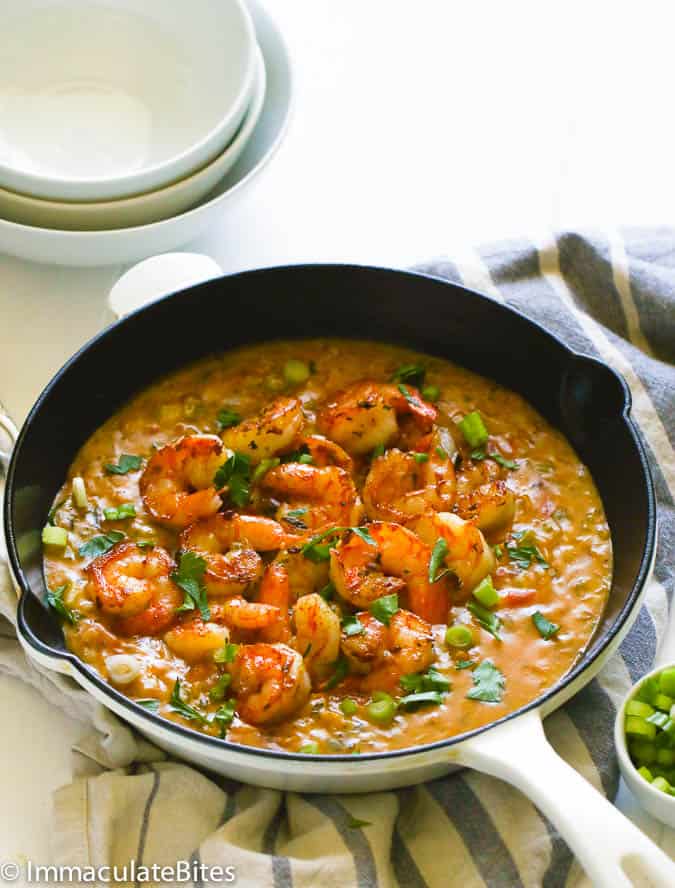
[[119, 513], [218, 691], [190, 578], [488, 682], [224, 715], [545, 627], [127, 462], [423, 698], [149, 703], [351, 625], [184, 709], [431, 680], [316, 550], [481, 454], [340, 673], [227, 653], [436, 570], [464, 664], [99, 545], [294, 518], [227, 418], [383, 609], [485, 618], [526, 551], [55, 601], [235, 473], [412, 373]]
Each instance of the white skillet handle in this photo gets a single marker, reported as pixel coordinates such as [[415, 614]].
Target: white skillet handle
[[603, 839], [157, 276]]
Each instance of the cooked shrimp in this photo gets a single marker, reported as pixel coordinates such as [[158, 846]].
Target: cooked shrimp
[[492, 506], [134, 586], [325, 493], [400, 486], [270, 681], [469, 557], [232, 572], [304, 576], [327, 453], [272, 432], [404, 646], [177, 484], [196, 640], [317, 635], [397, 561], [275, 589], [369, 414], [238, 613]]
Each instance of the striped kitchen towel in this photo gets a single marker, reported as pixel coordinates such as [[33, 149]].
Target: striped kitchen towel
[[609, 295]]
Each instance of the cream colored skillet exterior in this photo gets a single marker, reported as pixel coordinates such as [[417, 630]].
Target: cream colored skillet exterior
[[515, 750]]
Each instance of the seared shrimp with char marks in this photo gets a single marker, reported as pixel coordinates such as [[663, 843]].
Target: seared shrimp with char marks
[[406, 645], [401, 485], [491, 506], [469, 557], [270, 682], [275, 590], [233, 572], [325, 494], [177, 485], [275, 430], [195, 640], [134, 586], [396, 561], [370, 414], [238, 613], [317, 635]]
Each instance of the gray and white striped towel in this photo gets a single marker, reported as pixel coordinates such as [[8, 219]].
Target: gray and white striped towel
[[610, 296]]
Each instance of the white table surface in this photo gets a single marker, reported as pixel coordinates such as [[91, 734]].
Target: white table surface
[[419, 128]]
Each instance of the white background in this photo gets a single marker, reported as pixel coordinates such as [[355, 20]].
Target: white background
[[419, 127]]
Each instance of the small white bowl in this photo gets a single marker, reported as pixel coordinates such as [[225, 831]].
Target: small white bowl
[[106, 99], [143, 208], [657, 803], [89, 248]]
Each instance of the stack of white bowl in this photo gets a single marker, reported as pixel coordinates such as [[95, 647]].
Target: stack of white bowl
[[118, 114]]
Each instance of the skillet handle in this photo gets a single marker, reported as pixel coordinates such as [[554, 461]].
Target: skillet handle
[[158, 276], [613, 852]]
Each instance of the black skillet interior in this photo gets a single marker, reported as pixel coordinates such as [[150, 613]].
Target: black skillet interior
[[581, 396]]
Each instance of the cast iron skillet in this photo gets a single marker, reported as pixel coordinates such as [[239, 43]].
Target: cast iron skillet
[[583, 397]]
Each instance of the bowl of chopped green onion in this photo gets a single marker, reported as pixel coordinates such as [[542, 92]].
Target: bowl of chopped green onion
[[644, 736]]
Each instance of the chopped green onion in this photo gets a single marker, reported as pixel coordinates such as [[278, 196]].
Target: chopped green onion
[[638, 727], [459, 636], [648, 689], [660, 719], [378, 450], [328, 591], [296, 372], [488, 620], [666, 681], [662, 784], [310, 749], [421, 457], [665, 757], [149, 703], [473, 429], [119, 513], [177, 705], [643, 750], [486, 593], [263, 468], [79, 493], [544, 627], [663, 701], [340, 673], [383, 708], [441, 453], [224, 715], [437, 560], [646, 773], [348, 706], [412, 373], [227, 418], [305, 459], [431, 680], [431, 393], [383, 609], [636, 707], [54, 536], [498, 551]]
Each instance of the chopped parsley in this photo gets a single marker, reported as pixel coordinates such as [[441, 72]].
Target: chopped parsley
[[177, 705], [317, 549], [235, 474], [219, 690], [55, 601], [545, 627], [340, 673], [436, 569], [227, 418], [127, 462], [190, 578], [328, 591], [99, 545], [378, 450], [383, 609], [488, 682], [526, 551], [431, 680], [485, 618], [226, 654], [423, 698], [464, 664], [223, 716], [474, 431], [351, 625], [481, 454], [150, 704], [412, 373]]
